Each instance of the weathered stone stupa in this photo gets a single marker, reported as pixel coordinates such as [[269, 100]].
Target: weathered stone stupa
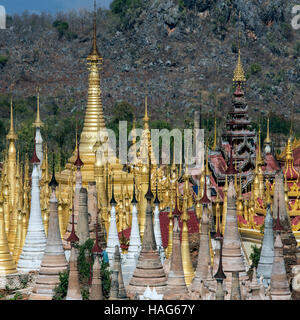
[[83, 218], [96, 288], [287, 236], [54, 260], [35, 242], [149, 270], [204, 260], [265, 263], [176, 286], [279, 281], [232, 255], [220, 276], [117, 266]]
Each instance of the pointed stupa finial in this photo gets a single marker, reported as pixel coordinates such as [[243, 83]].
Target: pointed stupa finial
[[53, 183], [73, 237], [176, 211], [149, 195], [156, 200], [78, 163], [268, 139], [113, 200], [278, 227], [134, 200], [11, 134], [215, 134], [220, 275], [205, 200], [239, 74], [94, 55], [38, 123], [146, 118]]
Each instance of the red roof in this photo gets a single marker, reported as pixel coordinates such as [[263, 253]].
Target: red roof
[[260, 202], [218, 163], [259, 220], [242, 220], [295, 221], [192, 223]]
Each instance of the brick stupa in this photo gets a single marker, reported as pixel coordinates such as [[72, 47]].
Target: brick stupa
[[279, 281], [287, 236], [204, 260], [176, 286], [149, 271]]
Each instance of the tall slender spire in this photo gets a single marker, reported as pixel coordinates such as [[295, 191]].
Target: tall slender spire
[[38, 123], [146, 118], [239, 74], [215, 134], [12, 136], [268, 139], [94, 54]]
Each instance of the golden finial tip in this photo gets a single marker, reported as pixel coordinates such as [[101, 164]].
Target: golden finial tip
[[239, 74]]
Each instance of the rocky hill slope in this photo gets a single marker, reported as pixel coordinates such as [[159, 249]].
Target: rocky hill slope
[[182, 53]]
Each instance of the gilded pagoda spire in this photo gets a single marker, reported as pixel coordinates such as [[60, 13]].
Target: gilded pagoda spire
[[11, 136], [239, 74], [268, 139], [94, 118], [146, 118], [215, 134], [38, 123]]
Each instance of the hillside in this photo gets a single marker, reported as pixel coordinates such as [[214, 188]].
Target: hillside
[[182, 53]]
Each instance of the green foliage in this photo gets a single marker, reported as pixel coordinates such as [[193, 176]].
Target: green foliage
[[127, 10], [85, 264], [234, 47], [254, 256], [3, 60], [287, 31], [24, 279], [17, 296], [255, 68], [85, 260], [262, 228], [105, 278], [123, 111], [62, 28], [297, 49], [60, 291]]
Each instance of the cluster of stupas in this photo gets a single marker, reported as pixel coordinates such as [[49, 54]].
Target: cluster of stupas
[[143, 215]]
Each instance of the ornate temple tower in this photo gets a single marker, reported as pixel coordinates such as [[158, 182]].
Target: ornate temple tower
[[238, 125]]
